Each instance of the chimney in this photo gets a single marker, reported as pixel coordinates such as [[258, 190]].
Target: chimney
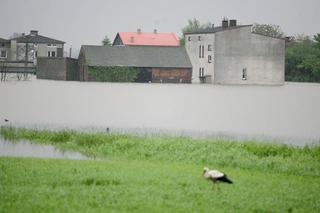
[[225, 23], [34, 32], [138, 30], [233, 22], [155, 31]]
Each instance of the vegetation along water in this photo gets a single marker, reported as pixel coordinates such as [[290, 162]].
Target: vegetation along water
[[158, 174]]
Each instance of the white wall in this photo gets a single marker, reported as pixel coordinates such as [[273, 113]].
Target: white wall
[[192, 48], [261, 56]]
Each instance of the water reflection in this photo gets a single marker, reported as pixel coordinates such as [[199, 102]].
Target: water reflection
[[27, 149]]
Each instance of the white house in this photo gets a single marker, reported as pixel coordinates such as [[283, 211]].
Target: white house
[[233, 54]]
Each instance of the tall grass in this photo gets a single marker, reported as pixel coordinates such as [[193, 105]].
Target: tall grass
[[275, 158]]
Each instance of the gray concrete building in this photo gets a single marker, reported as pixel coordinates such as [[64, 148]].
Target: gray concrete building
[[233, 54], [20, 54]]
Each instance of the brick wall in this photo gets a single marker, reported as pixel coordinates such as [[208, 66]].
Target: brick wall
[[171, 75]]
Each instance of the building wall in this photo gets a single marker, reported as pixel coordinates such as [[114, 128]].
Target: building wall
[[261, 57], [82, 67], [199, 58], [41, 49], [5, 47], [171, 75], [57, 68]]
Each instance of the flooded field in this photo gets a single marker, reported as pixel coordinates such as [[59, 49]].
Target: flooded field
[[27, 149], [289, 113]]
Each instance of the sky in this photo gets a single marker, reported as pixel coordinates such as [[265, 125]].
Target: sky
[[80, 22]]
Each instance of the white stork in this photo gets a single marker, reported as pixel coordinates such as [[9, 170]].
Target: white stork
[[215, 176]]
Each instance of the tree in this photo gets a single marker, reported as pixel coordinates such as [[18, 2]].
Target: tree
[[106, 41], [303, 60], [268, 30], [193, 25]]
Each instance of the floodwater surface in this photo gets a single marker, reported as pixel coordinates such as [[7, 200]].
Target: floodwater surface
[[289, 111], [27, 149]]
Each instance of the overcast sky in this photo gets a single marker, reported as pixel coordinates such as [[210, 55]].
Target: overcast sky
[[87, 22]]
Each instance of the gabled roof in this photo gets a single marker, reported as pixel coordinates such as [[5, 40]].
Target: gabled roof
[[2, 40], [148, 39], [217, 29], [31, 38], [136, 56]]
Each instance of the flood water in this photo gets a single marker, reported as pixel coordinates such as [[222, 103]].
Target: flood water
[[289, 113], [27, 149]]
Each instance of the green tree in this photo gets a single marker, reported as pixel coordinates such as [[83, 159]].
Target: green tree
[[106, 41], [268, 30], [193, 25], [303, 60]]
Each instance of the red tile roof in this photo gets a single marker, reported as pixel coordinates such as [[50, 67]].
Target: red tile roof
[[149, 39]]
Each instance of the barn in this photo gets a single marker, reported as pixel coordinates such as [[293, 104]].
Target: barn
[[156, 64]]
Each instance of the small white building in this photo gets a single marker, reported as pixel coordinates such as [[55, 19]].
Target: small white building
[[233, 54]]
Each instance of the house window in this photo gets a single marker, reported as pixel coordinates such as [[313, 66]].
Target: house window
[[36, 54], [244, 74], [202, 51], [209, 58], [199, 38], [3, 54], [2, 44], [49, 45], [209, 47], [189, 38], [51, 54], [201, 72]]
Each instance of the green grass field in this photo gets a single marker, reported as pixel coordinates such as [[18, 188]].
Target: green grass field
[[158, 174]]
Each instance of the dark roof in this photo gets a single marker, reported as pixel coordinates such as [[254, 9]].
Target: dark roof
[[217, 29], [2, 40], [137, 56], [37, 39]]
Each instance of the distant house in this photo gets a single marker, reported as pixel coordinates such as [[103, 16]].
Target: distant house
[[146, 39], [155, 63], [20, 54], [35, 45], [233, 54]]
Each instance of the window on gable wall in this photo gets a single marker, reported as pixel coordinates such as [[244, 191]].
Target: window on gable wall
[[189, 38], [209, 47], [244, 74], [199, 38]]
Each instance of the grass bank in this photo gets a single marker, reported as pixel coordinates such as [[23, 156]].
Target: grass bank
[[158, 174]]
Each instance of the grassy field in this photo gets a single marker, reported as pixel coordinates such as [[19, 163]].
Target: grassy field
[[158, 174]]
